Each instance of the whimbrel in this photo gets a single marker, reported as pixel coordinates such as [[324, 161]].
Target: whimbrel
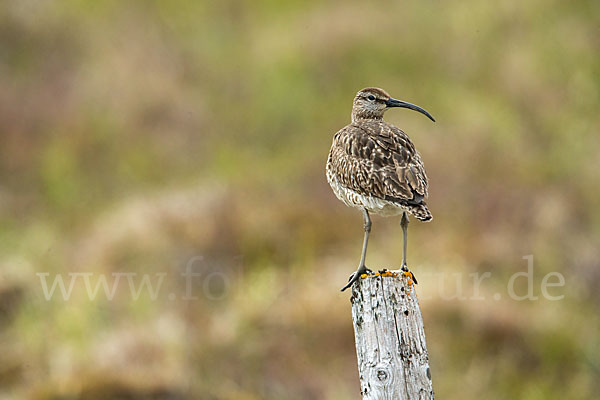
[[374, 166]]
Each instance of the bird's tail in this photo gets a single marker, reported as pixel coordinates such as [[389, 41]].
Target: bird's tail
[[421, 212]]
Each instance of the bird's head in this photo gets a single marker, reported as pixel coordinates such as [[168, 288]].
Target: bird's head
[[371, 103]]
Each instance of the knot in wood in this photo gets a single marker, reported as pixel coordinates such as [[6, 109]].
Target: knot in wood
[[382, 375]]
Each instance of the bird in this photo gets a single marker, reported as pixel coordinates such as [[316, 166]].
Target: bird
[[375, 167]]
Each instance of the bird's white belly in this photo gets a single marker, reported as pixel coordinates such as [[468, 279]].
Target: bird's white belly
[[353, 199]]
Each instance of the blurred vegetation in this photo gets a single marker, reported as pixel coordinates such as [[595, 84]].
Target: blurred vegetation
[[137, 135]]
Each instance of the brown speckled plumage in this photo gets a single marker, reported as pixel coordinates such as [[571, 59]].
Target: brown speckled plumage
[[374, 166]]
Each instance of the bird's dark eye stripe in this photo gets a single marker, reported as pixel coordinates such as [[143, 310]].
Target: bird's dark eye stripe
[[371, 97]]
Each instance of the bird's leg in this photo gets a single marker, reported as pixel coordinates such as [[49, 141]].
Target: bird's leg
[[362, 268], [367, 227], [404, 224]]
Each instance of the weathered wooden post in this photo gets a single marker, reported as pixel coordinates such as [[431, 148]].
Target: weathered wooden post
[[390, 340]]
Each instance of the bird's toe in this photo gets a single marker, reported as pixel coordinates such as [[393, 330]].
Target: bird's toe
[[408, 273], [362, 270]]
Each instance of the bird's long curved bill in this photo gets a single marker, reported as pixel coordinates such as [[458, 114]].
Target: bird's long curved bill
[[399, 103]]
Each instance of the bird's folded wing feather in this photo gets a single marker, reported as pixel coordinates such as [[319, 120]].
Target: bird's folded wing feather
[[380, 160]]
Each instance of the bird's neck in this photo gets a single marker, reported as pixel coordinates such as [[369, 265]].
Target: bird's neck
[[365, 116]]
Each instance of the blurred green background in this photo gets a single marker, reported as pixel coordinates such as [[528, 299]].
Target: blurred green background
[[146, 136]]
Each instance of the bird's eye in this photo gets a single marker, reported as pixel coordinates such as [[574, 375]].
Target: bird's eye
[[371, 97]]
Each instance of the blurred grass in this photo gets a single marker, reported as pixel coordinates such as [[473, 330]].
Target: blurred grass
[[137, 135]]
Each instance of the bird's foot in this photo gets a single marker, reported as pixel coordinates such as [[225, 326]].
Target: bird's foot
[[361, 271], [408, 273], [354, 277]]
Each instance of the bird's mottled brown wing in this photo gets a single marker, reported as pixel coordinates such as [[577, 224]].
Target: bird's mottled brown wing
[[376, 158]]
